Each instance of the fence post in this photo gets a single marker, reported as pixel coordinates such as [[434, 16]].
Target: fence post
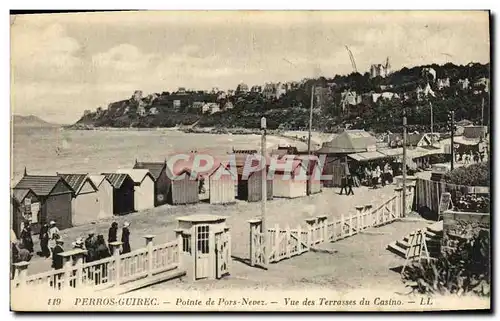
[[299, 238], [149, 246], [321, 219], [351, 230], [359, 212], [254, 223], [399, 203], [180, 248], [115, 247], [369, 216], [310, 225], [276, 242], [20, 273], [228, 235], [68, 269], [288, 242], [78, 258], [342, 225]]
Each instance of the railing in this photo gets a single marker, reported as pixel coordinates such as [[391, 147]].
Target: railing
[[106, 273], [285, 243]]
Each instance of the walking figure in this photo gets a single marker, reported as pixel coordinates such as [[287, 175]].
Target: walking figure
[[26, 239], [53, 236], [44, 240], [350, 182], [126, 238], [343, 184]]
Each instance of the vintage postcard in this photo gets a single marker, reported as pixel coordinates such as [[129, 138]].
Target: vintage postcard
[[250, 161]]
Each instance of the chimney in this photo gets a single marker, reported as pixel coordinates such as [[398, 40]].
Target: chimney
[[25, 173]]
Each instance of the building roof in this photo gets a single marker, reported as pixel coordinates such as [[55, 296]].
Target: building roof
[[20, 194], [116, 179], [76, 181], [155, 168], [137, 175], [97, 179], [40, 185], [475, 131], [349, 141], [367, 156]]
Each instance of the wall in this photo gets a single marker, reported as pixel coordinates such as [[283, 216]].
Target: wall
[[85, 208], [58, 208], [221, 189], [105, 196], [161, 189], [145, 194], [183, 191]]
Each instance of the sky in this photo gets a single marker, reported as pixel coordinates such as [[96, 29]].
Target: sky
[[62, 64]]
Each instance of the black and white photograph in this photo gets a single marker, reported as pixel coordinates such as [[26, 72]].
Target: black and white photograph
[[250, 161]]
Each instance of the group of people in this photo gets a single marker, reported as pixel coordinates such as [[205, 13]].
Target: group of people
[[375, 175], [469, 158], [51, 243]]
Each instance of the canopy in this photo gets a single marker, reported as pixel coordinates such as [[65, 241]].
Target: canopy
[[367, 156]]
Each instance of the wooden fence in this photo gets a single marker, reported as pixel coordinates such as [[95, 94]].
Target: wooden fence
[[286, 243], [428, 194], [103, 274]]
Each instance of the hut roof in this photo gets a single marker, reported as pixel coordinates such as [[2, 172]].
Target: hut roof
[[116, 179], [464, 122], [76, 181], [137, 175], [155, 168], [20, 194], [283, 167], [474, 132], [97, 179], [349, 141], [40, 185]]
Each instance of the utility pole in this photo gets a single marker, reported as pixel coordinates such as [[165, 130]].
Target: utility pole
[[482, 112], [309, 138], [404, 165], [265, 246], [432, 125], [451, 117]]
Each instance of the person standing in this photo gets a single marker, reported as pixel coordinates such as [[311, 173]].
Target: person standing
[[57, 260], [126, 238], [44, 240], [90, 246], [53, 235], [113, 233], [343, 184], [350, 182], [102, 250], [26, 238]]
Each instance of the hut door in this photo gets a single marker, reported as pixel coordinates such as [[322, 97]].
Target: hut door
[[202, 252], [222, 254]]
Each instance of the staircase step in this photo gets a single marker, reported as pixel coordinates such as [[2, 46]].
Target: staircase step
[[394, 248], [403, 244]]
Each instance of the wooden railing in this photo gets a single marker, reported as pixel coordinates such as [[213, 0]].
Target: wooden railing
[[106, 273], [285, 243]]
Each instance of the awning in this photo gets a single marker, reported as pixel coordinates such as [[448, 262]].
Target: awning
[[366, 156], [466, 141], [356, 157], [392, 152]]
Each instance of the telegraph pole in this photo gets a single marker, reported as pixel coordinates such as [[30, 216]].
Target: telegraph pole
[[482, 112], [432, 125], [309, 137], [265, 247], [404, 166], [451, 117]]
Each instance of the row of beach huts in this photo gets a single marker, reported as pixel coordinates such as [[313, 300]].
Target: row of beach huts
[[73, 199]]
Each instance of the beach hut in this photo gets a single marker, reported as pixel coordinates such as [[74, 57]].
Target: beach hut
[[181, 188], [221, 182], [346, 143], [123, 192], [85, 203], [144, 191], [289, 180], [250, 184], [25, 205], [159, 172], [314, 172], [54, 195], [105, 195]]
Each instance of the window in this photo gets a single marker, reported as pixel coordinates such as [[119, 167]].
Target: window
[[186, 243], [202, 238]]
